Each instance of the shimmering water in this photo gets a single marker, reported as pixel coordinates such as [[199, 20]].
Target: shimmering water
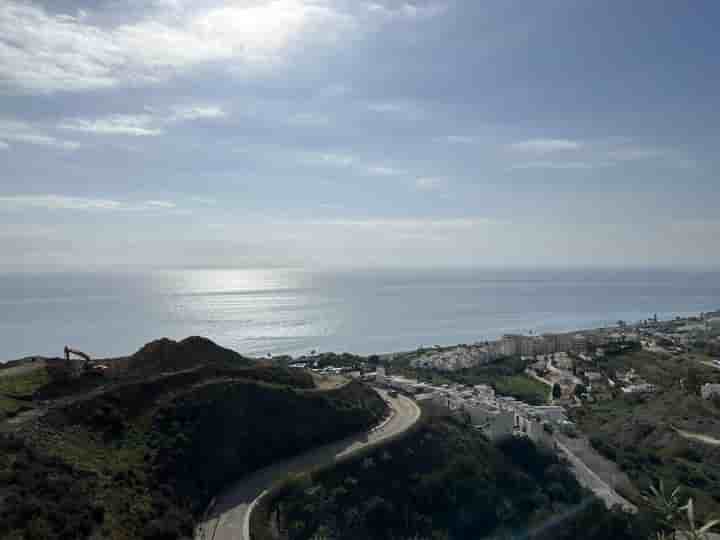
[[288, 311]]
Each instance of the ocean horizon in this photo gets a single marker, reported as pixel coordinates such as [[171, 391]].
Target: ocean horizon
[[287, 311]]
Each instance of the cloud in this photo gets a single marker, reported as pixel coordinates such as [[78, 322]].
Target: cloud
[[399, 108], [4, 145], [149, 124], [560, 165], [208, 201], [383, 170], [406, 10], [334, 91], [23, 132], [184, 113], [545, 146], [567, 154], [447, 224], [634, 154], [42, 52], [349, 161], [64, 202], [430, 183], [309, 119], [159, 204], [457, 139], [119, 124], [336, 160]]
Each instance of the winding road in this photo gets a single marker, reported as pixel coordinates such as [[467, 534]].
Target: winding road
[[229, 518], [707, 439]]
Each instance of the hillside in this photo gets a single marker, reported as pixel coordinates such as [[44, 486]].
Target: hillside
[[640, 432], [141, 456], [447, 482]]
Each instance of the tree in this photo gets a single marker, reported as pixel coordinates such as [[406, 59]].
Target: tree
[[692, 381], [556, 391], [677, 522]]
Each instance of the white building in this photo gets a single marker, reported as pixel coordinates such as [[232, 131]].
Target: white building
[[709, 390], [642, 388]]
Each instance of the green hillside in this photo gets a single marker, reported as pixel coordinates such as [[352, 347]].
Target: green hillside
[[447, 482], [141, 457]]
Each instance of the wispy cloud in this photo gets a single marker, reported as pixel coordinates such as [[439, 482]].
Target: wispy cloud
[[448, 224], [545, 146], [118, 124], [430, 183], [43, 52], [147, 124], [349, 161], [406, 10], [329, 158], [208, 201], [384, 170], [64, 202], [456, 139], [309, 119], [184, 113], [560, 165], [23, 132], [334, 91], [407, 110], [567, 154], [158, 204], [633, 154]]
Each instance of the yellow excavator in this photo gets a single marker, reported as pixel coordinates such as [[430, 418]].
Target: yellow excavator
[[88, 367]]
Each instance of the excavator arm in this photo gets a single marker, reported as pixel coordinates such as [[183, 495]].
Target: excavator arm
[[69, 351]]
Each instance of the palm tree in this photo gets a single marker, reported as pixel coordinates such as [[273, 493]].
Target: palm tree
[[680, 519], [666, 505], [694, 532]]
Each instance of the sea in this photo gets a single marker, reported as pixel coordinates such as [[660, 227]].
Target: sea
[[262, 312]]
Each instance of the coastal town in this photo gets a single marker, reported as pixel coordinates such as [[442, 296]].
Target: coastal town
[[577, 369], [615, 407]]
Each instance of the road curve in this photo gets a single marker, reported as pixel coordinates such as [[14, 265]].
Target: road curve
[[707, 439], [229, 518]]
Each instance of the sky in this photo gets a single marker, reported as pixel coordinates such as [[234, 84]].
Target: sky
[[353, 133]]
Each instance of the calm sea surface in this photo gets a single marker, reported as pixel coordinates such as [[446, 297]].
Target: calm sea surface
[[282, 311]]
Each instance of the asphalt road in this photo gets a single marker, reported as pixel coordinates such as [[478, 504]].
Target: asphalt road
[[229, 518], [707, 439], [593, 482]]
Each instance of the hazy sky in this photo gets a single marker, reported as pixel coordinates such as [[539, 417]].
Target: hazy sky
[[359, 133]]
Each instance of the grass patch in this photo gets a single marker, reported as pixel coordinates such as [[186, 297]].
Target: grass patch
[[505, 375], [25, 383], [523, 388], [10, 406]]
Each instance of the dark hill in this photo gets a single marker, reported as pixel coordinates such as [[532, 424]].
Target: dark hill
[[445, 481], [169, 355]]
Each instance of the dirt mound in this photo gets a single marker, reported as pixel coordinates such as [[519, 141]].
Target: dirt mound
[[166, 354]]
